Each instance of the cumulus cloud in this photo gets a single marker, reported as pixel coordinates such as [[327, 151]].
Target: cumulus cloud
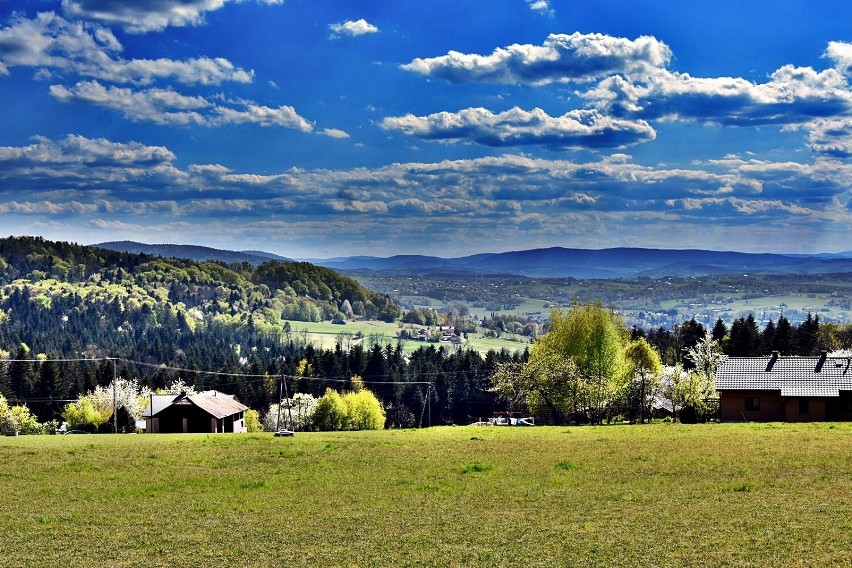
[[792, 95], [352, 28], [832, 137], [632, 87], [75, 149], [49, 41], [284, 116], [160, 106], [517, 127], [168, 107], [841, 53], [561, 59], [140, 16], [541, 7]]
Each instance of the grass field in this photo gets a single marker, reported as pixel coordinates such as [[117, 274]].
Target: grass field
[[655, 495], [326, 335]]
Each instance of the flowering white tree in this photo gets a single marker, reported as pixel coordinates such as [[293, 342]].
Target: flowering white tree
[[706, 356], [97, 405], [302, 407], [178, 386]]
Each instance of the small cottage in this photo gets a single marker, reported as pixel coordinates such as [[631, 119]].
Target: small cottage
[[793, 389], [205, 412]]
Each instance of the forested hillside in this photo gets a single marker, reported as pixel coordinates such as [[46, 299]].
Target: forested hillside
[[74, 301]]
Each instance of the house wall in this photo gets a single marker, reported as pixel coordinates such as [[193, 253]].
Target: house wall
[[816, 410], [839, 408], [732, 406], [172, 419]]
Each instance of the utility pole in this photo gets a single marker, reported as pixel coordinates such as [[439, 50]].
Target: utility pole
[[289, 405], [278, 419], [114, 400]]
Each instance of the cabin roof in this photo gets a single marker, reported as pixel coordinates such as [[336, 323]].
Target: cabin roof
[[817, 376]]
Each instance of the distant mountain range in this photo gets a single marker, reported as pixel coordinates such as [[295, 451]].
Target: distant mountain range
[[555, 262], [193, 252], [559, 262]]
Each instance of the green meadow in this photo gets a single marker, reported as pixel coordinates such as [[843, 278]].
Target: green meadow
[[326, 335], [653, 495]]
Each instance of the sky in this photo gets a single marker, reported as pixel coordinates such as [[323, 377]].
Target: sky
[[324, 129]]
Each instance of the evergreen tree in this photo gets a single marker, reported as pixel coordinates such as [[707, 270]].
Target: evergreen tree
[[22, 378], [744, 340], [807, 336], [767, 338], [784, 340], [719, 331]]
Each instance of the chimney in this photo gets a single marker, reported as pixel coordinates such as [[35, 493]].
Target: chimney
[[772, 360], [823, 355]]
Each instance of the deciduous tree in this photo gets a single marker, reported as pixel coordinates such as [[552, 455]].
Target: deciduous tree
[[644, 365]]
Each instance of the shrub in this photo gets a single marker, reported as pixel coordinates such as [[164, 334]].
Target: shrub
[[331, 412], [364, 410], [253, 421], [80, 414], [126, 422]]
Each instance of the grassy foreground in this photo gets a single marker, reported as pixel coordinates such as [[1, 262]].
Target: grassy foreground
[[661, 495]]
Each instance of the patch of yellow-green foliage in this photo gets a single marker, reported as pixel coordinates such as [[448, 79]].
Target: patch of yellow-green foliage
[[657, 495]]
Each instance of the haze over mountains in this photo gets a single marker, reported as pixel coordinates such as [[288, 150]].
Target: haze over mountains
[[551, 262]]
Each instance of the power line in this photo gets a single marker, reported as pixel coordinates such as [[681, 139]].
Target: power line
[[252, 376]]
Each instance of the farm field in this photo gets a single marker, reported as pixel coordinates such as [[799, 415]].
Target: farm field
[[326, 335], [662, 494]]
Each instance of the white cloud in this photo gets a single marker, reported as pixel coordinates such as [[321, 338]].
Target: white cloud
[[284, 116], [517, 127], [841, 53], [561, 59], [160, 106], [50, 42], [833, 137], [542, 7], [352, 28], [140, 16], [334, 133], [75, 149], [792, 95], [168, 107]]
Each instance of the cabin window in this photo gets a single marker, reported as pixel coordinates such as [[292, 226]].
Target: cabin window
[[804, 406], [752, 403]]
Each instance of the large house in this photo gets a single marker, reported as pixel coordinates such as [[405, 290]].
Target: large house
[[793, 389], [205, 412]]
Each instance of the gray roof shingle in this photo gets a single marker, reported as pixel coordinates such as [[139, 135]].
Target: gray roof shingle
[[215, 403], [793, 376]]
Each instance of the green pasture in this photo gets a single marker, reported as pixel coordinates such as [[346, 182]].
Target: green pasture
[[653, 495], [485, 344], [326, 335]]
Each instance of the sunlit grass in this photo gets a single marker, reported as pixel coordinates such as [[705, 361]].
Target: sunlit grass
[[663, 495]]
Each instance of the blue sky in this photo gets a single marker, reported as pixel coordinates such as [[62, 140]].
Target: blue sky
[[319, 129]]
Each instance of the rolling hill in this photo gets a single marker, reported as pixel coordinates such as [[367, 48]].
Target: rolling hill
[[558, 262]]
